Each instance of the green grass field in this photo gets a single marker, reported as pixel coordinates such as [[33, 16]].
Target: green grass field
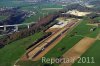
[[10, 53], [84, 30]]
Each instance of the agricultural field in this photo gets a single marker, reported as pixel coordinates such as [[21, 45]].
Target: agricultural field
[[13, 53], [12, 3], [39, 11], [93, 51]]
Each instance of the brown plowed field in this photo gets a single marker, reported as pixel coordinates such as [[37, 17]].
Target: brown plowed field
[[77, 50]]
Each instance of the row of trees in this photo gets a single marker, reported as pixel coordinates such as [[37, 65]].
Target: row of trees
[[27, 32], [71, 16]]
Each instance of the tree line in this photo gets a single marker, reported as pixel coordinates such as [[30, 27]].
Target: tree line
[[27, 32]]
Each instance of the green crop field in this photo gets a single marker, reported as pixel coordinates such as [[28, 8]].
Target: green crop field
[[93, 51], [10, 53]]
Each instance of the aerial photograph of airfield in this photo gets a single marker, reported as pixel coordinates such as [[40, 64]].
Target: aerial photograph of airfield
[[49, 32]]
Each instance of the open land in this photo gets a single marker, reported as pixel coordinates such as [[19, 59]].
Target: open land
[[69, 38]]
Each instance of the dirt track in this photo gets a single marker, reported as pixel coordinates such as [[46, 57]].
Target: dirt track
[[78, 49]]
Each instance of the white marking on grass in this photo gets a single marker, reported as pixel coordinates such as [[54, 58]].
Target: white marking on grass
[[80, 35], [16, 62]]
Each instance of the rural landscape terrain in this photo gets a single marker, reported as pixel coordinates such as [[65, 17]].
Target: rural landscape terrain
[[49, 32]]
